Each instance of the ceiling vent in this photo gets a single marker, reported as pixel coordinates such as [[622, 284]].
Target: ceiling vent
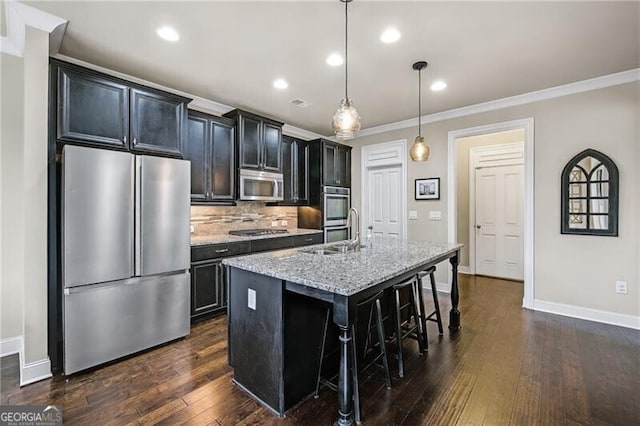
[[300, 103]]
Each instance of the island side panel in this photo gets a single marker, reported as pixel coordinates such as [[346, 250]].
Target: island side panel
[[256, 335]]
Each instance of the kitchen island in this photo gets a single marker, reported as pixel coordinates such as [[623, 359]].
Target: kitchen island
[[276, 305]]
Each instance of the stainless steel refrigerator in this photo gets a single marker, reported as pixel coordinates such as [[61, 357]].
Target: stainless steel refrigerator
[[125, 253]]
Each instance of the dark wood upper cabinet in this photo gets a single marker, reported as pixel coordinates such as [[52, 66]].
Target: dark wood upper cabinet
[[157, 122], [259, 141], [92, 109], [101, 110], [295, 168], [336, 169], [195, 150], [222, 156], [210, 147], [272, 146]]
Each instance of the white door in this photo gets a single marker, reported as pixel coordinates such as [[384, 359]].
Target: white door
[[499, 218], [384, 201]]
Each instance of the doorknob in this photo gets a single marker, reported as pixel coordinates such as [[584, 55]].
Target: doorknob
[[478, 226]]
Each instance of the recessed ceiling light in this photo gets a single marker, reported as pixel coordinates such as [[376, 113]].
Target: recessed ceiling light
[[390, 35], [280, 84], [438, 85], [335, 60], [168, 33]]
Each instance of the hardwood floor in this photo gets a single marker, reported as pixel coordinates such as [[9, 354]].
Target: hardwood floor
[[507, 365]]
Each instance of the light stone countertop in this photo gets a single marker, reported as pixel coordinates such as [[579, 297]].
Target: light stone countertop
[[225, 238], [348, 273]]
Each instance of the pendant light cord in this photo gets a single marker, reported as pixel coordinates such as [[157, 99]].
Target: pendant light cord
[[419, 103], [346, 54]]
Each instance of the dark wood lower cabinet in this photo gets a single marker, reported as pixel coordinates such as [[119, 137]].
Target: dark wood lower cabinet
[[208, 275], [208, 289]]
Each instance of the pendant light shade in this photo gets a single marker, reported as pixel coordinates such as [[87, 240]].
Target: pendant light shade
[[346, 120], [419, 150]]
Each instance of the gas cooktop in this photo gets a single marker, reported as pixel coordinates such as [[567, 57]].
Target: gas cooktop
[[258, 231]]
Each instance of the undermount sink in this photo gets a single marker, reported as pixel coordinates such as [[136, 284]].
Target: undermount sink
[[334, 249]]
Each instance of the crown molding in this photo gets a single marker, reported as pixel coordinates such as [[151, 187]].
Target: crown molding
[[297, 132], [18, 16], [540, 95]]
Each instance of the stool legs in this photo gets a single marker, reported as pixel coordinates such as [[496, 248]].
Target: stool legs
[[434, 291], [381, 339], [423, 316]]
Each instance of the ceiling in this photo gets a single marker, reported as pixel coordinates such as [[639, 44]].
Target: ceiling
[[231, 52]]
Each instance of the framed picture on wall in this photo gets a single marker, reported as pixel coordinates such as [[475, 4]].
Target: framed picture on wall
[[428, 189]]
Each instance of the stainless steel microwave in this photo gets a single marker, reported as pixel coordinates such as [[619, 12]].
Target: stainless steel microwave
[[260, 186]]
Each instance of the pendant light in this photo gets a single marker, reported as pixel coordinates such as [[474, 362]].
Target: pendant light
[[346, 120], [419, 150]]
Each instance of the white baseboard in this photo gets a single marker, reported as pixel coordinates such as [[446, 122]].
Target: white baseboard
[[606, 317], [443, 287], [35, 371], [464, 270], [10, 346], [31, 372]]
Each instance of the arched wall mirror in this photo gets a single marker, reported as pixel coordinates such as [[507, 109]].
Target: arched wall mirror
[[590, 195]]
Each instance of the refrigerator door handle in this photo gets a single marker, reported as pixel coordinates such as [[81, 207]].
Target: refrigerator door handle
[[137, 260]]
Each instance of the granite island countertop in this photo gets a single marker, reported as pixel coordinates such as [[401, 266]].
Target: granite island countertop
[[344, 274], [225, 238]]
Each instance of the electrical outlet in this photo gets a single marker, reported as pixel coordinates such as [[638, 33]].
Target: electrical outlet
[[284, 223], [413, 214], [621, 287], [274, 223], [192, 229], [251, 298], [435, 215]]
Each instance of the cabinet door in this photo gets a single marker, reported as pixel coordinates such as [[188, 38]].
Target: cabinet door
[[196, 151], [250, 148], [92, 109], [288, 169], [302, 173], [271, 147], [343, 166], [207, 288], [156, 123], [329, 164], [222, 170]]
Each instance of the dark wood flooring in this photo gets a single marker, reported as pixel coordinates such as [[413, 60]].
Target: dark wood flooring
[[507, 365]]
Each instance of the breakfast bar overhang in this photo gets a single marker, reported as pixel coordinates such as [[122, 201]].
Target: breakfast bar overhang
[[269, 293]]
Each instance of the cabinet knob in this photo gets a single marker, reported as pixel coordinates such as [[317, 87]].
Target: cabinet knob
[[337, 181], [124, 139], [134, 141]]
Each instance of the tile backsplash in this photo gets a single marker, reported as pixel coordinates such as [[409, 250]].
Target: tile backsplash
[[216, 220]]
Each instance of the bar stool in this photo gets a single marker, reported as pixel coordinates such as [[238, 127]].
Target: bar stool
[[434, 291], [413, 324], [372, 308]]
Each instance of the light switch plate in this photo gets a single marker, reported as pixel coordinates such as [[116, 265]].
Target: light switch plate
[[413, 214], [251, 298], [274, 223], [621, 287], [435, 215]]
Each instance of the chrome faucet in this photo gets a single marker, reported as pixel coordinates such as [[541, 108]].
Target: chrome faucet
[[355, 243]]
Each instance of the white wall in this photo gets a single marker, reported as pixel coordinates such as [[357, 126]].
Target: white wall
[[573, 270], [11, 197], [24, 203]]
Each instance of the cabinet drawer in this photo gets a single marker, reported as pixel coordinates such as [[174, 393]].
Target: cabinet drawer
[[271, 244], [306, 240], [214, 251]]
